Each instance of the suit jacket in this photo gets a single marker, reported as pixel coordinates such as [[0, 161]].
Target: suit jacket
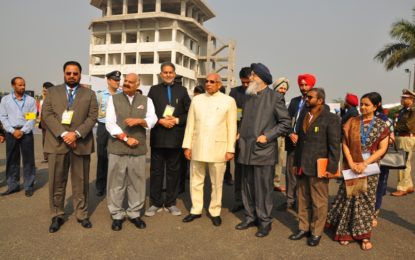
[[162, 137], [322, 140], [85, 114], [265, 114], [211, 127]]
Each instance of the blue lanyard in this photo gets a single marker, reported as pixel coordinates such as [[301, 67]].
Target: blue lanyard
[[363, 134], [17, 104], [169, 93]]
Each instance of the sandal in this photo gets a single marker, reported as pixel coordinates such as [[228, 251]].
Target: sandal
[[344, 242], [366, 245]]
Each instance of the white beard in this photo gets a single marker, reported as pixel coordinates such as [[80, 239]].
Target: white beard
[[252, 89]]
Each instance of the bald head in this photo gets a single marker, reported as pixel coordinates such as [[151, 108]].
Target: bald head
[[131, 83], [213, 83]]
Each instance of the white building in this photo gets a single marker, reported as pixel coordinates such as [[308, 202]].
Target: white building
[[138, 35]]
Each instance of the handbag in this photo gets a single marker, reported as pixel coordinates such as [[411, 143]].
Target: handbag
[[394, 158]]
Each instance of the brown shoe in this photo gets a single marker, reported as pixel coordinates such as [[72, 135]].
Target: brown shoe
[[410, 190], [399, 193], [279, 188]]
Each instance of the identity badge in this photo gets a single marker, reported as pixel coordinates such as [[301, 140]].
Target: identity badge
[[316, 129], [67, 117], [168, 111], [30, 115], [239, 114]]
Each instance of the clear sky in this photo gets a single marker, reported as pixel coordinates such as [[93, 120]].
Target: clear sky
[[335, 40]]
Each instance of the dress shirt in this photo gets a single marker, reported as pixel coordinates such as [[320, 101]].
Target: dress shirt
[[111, 117], [12, 113], [102, 97]]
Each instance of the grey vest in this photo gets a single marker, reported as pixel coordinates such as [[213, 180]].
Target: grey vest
[[124, 110]]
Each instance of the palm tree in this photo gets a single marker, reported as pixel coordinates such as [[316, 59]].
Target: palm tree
[[395, 54]]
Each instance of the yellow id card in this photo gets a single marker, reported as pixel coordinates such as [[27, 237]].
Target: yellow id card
[[239, 114], [67, 117], [168, 111], [30, 115]]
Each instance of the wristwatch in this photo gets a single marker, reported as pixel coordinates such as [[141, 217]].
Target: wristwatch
[[125, 139]]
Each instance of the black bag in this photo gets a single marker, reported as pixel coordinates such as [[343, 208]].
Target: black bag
[[394, 158]]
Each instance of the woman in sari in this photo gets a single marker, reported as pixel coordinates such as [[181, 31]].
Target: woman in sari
[[365, 141]]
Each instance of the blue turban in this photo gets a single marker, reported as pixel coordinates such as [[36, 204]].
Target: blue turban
[[263, 72]]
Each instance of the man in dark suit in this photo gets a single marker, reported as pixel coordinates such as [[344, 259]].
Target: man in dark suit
[[238, 93], [70, 112], [296, 111], [172, 103], [319, 136], [265, 118]]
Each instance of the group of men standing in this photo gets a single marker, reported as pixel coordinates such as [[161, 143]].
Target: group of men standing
[[209, 131]]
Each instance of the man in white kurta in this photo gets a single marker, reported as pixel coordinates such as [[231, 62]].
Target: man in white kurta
[[209, 141]]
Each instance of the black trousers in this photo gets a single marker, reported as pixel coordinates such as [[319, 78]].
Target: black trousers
[[257, 188], [102, 157], [165, 161], [15, 147]]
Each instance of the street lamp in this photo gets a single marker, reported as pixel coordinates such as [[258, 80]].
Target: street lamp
[[409, 83]]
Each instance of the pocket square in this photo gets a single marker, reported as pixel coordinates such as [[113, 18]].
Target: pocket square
[[140, 107]]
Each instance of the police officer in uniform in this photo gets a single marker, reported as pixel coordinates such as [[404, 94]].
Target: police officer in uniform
[[113, 81]]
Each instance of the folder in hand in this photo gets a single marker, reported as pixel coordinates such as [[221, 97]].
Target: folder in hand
[[322, 169]]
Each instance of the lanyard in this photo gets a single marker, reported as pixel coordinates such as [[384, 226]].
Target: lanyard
[[363, 134], [17, 104], [300, 107], [169, 93]]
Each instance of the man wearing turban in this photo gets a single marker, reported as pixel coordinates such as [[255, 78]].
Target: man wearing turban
[[350, 107], [265, 118], [296, 109]]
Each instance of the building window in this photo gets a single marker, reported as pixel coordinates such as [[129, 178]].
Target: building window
[[115, 38], [114, 59], [99, 39], [147, 58], [130, 58], [165, 35], [98, 59], [131, 37]]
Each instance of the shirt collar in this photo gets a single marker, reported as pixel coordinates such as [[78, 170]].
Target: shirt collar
[[15, 98], [68, 88]]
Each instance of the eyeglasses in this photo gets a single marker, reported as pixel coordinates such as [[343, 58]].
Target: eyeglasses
[[210, 81], [71, 73], [309, 97]]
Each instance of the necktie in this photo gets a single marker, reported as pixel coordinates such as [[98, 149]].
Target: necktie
[[70, 97], [169, 93]]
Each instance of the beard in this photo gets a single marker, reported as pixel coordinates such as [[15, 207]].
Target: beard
[[71, 83], [252, 89]]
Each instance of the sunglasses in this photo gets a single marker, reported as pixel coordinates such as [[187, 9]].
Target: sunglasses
[[309, 97], [71, 73], [210, 81]]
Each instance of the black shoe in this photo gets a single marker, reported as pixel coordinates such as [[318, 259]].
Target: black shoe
[[228, 181], [237, 208], [85, 223], [216, 221], [245, 225], [263, 231], [57, 222], [191, 217], [116, 224], [299, 235], [313, 240], [138, 222], [8, 192], [28, 193], [100, 193]]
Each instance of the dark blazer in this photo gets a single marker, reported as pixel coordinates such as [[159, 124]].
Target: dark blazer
[[322, 140], [351, 112], [265, 114], [85, 114], [162, 137]]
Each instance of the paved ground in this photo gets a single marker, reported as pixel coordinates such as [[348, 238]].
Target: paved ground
[[24, 232]]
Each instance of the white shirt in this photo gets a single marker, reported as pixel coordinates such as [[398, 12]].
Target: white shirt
[[111, 118]]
